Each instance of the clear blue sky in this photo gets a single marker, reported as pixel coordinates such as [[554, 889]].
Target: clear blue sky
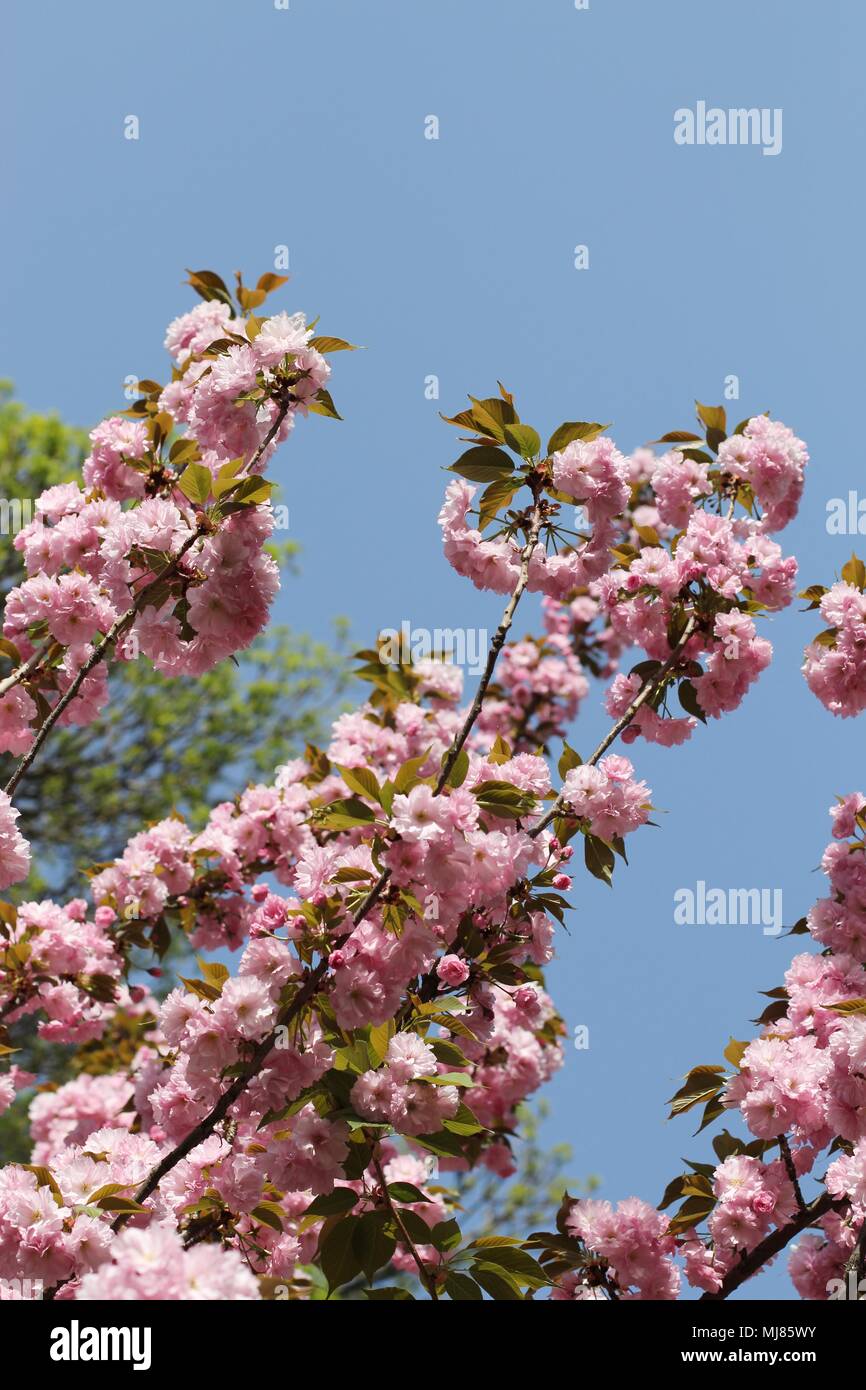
[[454, 257]]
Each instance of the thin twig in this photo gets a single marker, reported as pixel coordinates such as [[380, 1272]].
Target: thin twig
[[427, 1278], [23, 671], [788, 1158], [647, 689]]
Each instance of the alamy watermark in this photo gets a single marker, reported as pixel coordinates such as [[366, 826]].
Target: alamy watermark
[[716, 125], [466, 647], [18, 512], [729, 907], [846, 516], [27, 1290], [77, 1343], [851, 1289]]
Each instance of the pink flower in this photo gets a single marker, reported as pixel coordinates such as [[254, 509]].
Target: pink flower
[[14, 849], [419, 817], [452, 970]]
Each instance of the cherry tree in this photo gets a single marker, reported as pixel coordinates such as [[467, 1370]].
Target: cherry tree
[[287, 1128]]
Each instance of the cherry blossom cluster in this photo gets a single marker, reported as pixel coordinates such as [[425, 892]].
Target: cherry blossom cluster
[[834, 662], [392, 898], [661, 551], [62, 963], [160, 549], [800, 1088], [508, 1037]]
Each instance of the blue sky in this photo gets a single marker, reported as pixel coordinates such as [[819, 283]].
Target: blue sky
[[455, 257]]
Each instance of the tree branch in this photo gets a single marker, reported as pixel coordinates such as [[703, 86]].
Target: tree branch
[[788, 1158], [96, 656], [772, 1244], [496, 645], [427, 1278], [856, 1263]]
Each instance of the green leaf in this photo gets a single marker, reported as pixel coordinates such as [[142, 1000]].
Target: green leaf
[[693, 1211], [733, 1053], [344, 814], [226, 477], [407, 776], [249, 492], [120, 1204], [215, 973], [416, 1226], [362, 781], [208, 285], [599, 859], [673, 1191], [269, 281], [496, 1283], [491, 416], [389, 1295], [679, 437], [517, 1262], [814, 594], [196, 482], [524, 440], [348, 874], [725, 1145], [854, 572], [380, 1036], [688, 698], [443, 1144], [457, 775], [568, 760], [573, 429], [337, 1255], [504, 799], [500, 752], [492, 1242], [406, 1192], [483, 464], [448, 1052], [325, 344], [183, 451], [496, 495], [848, 1006], [462, 1289], [269, 1214], [712, 1110], [702, 1083], [323, 404], [712, 416], [445, 1235], [800, 928], [45, 1178], [108, 1189], [335, 1203], [372, 1244]]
